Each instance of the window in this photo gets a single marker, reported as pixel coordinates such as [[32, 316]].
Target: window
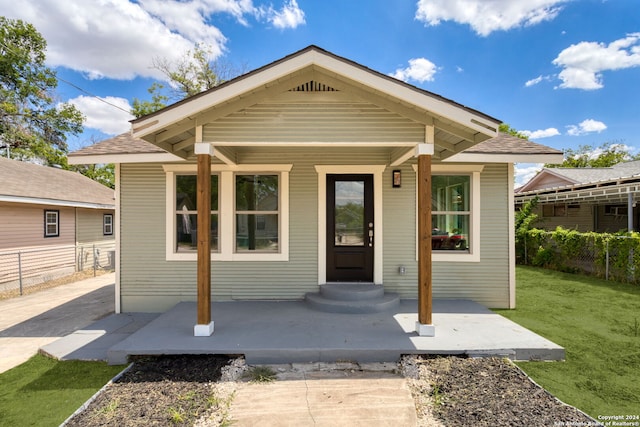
[[249, 212], [455, 212], [51, 223], [256, 213], [451, 212], [186, 211], [554, 210], [107, 224]]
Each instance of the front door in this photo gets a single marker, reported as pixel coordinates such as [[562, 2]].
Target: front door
[[350, 228]]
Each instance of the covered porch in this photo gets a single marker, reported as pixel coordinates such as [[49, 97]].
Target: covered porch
[[279, 332]]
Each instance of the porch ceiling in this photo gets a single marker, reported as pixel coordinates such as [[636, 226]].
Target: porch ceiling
[[454, 128]]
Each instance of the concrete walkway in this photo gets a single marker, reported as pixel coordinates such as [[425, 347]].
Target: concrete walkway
[[31, 321], [331, 398]]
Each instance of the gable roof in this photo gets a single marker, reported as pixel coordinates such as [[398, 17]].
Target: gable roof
[[456, 127], [24, 182]]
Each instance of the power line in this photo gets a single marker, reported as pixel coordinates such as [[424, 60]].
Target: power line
[[92, 95]]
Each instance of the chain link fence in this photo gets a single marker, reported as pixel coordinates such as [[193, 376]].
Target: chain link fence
[[29, 267], [602, 255]]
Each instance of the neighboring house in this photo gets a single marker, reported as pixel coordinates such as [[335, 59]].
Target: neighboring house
[[321, 172], [46, 214], [586, 199]]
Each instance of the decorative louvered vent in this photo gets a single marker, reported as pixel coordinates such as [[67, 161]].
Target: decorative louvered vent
[[313, 86]]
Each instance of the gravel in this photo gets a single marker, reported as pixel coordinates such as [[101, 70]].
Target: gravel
[[448, 391]]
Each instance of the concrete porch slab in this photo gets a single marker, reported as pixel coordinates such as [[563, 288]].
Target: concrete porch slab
[[290, 332]]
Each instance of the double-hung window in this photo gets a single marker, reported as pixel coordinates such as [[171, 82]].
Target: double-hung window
[[186, 212], [455, 213], [256, 213], [451, 212], [51, 223], [107, 224]]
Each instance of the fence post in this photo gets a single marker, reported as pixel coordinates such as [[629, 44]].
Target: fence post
[[606, 274], [20, 271], [94, 259]]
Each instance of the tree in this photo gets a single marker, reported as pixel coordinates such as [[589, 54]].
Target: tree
[[32, 124], [586, 156], [505, 128], [193, 73]]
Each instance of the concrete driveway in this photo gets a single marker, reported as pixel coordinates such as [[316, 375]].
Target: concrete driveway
[[31, 321]]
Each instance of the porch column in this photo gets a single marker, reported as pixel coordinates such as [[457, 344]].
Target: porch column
[[424, 325], [204, 325]]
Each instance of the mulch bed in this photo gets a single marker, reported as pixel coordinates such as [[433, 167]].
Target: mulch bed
[[490, 392], [448, 391], [156, 391]]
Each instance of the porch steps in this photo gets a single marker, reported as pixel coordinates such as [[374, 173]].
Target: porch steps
[[352, 298]]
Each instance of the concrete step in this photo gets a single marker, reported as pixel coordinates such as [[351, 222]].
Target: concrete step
[[351, 291], [352, 298]]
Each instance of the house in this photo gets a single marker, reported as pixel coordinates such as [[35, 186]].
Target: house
[[48, 216], [309, 171], [585, 199]]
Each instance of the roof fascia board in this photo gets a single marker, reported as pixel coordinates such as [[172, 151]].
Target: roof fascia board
[[52, 202], [270, 76], [123, 158]]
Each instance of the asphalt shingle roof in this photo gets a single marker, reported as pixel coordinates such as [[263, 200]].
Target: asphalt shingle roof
[[22, 179]]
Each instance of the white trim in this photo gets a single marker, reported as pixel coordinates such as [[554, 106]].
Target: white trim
[[505, 158], [52, 202], [192, 168], [474, 251], [202, 147], [117, 220], [123, 158], [512, 238], [226, 212], [377, 172], [422, 149], [312, 144]]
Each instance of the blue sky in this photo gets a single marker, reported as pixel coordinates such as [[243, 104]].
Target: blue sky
[[565, 71]]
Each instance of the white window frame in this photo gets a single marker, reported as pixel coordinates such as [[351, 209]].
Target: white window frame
[[47, 223], [226, 212], [107, 228], [473, 255]]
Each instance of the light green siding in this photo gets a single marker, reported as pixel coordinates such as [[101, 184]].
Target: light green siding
[[89, 226], [150, 283]]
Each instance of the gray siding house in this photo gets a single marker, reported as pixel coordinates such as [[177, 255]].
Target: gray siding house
[[45, 215], [585, 199], [308, 171]]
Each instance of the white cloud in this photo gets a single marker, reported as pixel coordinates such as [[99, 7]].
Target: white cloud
[[533, 82], [120, 38], [419, 70], [585, 127], [583, 63], [525, 171], [487, 16], [290, 16], [102, 116], [542, 133]]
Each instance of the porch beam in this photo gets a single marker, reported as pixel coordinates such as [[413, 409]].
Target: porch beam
[[226, 155], [204, 325]]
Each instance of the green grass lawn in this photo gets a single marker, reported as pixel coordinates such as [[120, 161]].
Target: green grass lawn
[[598, 324], [44, 392]]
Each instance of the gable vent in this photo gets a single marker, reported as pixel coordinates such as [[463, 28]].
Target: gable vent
[[313, 86]]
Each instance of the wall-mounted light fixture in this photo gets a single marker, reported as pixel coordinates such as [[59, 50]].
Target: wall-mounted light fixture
[[397, 179]]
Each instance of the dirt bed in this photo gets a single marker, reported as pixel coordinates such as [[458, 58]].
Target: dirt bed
[[448, 391]]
